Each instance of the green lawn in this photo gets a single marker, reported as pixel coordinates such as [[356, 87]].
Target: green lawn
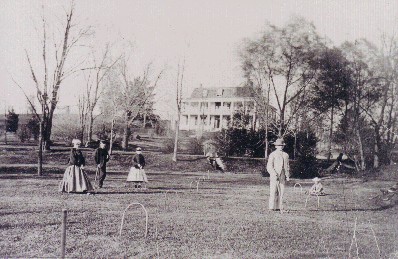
[[226, 218]]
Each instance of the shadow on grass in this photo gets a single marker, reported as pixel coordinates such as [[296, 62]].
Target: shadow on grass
[[381, 208], [126, 192], [191, 159], [29, 176], [29, 225]]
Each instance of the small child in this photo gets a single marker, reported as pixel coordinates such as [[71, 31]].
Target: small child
[[317, 188], [137, 173]]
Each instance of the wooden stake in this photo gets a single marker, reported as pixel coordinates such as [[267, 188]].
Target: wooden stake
[[63, 235]]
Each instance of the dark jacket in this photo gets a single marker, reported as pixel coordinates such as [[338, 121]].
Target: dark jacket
[[139, 159], [76, 157], [101, 156]]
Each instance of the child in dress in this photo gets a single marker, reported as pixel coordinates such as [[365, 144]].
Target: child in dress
[[317, 188], [137, 173]]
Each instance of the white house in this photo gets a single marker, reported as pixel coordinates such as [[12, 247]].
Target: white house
[[210, 109]]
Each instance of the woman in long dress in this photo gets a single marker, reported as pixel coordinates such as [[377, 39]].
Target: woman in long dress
[[137, 173], [75, 179]]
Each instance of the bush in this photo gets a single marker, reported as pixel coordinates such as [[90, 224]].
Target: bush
[[33, 127], [168, 145], [305, 165], [23, 133], [12, 121], [196, 146], [243, 142]]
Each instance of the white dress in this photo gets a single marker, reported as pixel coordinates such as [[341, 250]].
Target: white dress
[[137, 175]]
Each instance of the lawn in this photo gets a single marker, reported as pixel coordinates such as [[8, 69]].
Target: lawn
[[226, 217]]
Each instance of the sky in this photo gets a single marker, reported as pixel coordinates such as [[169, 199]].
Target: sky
[[206, 34]]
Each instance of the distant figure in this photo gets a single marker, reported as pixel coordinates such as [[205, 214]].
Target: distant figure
[[390, 192], [137, 173], [339, 164], [101, 157], [279, 171], [215, 161], [317, 188], [75, 179]]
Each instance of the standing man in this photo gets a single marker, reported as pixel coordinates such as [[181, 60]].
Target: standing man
[[279, 171], [101, 158]]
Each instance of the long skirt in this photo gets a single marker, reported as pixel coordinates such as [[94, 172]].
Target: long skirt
[[75, 180], [137, 175]]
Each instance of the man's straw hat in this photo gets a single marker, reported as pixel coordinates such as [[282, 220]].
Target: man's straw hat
[[279, 142]]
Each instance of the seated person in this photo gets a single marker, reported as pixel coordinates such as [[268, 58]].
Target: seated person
[[317, 188], [215, 161]]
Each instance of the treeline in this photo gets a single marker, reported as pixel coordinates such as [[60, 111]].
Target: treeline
[[346, 93]]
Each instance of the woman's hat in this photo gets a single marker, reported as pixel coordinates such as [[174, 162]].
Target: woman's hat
[[316, 179], [279, 142], [138, 149], [76, 141]]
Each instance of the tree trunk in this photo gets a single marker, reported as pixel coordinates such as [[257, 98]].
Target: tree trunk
[[330, 134], [47, 132], [126, 135], [111, 140], [376, 161], [176, 140], [144, 121], [41, 147], [90, 126], [361, 153]]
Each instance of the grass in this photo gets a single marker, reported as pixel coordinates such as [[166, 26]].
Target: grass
[[226, 218]]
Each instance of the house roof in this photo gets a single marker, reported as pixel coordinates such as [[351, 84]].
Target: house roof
[[222, 92]]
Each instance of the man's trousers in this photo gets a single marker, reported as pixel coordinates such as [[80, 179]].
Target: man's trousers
[[102, 175], [277, 190]]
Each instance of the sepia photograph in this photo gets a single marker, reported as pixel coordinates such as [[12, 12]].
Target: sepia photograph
[[199, 129]]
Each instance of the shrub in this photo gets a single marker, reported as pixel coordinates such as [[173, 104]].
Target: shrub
[[23, 133], [243, 142], [33, 127], [305, 165], [12, 121], [196, 146], [168, 145]]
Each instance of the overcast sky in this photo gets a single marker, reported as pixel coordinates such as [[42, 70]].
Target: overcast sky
[[206, 33]]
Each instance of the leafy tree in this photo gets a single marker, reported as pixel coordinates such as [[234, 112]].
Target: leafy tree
[[333, 80], [280, 60], [12, 120]]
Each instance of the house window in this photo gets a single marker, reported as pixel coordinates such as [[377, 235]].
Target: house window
[[227, 105], [218, 105], [204, 106], [220, 92], [203, 119], [217, 122], [185, 119]]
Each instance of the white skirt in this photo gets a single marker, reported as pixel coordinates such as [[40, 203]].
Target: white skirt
[[137, 175]]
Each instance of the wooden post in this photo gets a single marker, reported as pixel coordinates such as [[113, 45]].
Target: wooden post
[[63, 236]]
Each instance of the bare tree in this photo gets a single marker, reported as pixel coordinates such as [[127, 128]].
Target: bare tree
[[94, 90], [47, 89], [131, 94], [179, 86]]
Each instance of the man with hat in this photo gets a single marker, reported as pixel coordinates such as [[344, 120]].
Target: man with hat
[[279, 171], [101, 158]]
